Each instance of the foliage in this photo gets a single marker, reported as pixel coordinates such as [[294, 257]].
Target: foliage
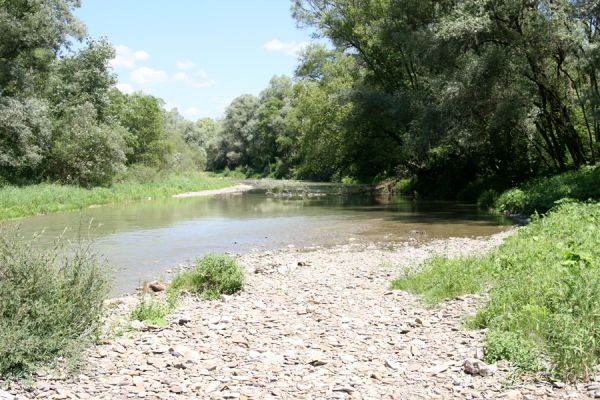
[[506, 345], [152, 310], [540, 195], [50, 301], [84, 152], [214, 275], [24, 134], [441, 278], [46, 198], [545, 290]]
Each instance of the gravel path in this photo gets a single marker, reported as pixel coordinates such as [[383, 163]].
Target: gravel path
[[311, 324]]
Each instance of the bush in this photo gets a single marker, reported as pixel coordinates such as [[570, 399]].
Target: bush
[[51, 302], [214, 275], [487, 198], [404, 186], [152, 310], [545, 290], [85, 152], [541, 195]]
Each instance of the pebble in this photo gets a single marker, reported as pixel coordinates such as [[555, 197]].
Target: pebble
[[328, 327]]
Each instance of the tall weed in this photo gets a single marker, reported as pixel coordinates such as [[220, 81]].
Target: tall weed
[[51, 301]]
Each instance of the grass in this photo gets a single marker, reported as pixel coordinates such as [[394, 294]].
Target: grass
[[213, 276], [544, 292], [152, 310], [47, 198], [51, 302], [542, 194]]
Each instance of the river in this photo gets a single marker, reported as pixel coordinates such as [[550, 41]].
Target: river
[[142, 240]]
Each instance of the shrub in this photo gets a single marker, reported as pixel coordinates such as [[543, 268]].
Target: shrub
[[487, 198], [545, 291], [542, 194], [152, 310], [214, 275], [404, 186], [51, 302]]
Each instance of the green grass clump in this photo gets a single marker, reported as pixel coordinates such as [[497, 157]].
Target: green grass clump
[[213, 275], [47, 197], [152, 310], [541, 195], [544, 291], [51, 302], [441, 278]]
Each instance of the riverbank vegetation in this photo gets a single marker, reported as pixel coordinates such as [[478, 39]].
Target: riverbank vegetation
[[544, 292], [51, 302], [540, 195], [64, 122], [211, 277], [43, 198], [456, 98]]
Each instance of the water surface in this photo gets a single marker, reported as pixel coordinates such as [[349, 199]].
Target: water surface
[[142, 240]]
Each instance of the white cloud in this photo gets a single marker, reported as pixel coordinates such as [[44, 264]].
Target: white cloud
[[193, 112], [180, 76], [125, 88], [145, 75], [185, 65], [290, 48], [202, 74], [127, 58], [203, 84]]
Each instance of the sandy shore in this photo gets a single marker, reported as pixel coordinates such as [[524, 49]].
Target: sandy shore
[[311, 323], [243, 187]]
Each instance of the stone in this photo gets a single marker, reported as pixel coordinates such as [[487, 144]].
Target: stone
[[474, 366], [391, 364], [438, 369], [511, 395], [157, 286], [137, 325]]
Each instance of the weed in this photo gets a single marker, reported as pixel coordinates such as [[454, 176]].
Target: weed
[[214, 275], [51, 302]]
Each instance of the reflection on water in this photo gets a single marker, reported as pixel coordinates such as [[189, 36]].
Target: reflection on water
[[141, 240]]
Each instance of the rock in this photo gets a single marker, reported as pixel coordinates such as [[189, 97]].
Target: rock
[[474, 366], [137, 325], [185, 352], [157, 286], [511, 395], [437, 369], [479, 354], [5, 395], [391, 364], [345, 389]]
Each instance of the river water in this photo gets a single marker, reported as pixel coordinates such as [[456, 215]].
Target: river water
[[142, 240]]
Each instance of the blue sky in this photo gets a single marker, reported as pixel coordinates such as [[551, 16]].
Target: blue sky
[[197, 55]]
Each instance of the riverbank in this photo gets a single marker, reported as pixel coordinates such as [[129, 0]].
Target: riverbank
[[228, 190], [311, 323], [45, 198]]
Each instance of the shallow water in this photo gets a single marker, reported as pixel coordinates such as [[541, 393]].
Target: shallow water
[[142, 240]]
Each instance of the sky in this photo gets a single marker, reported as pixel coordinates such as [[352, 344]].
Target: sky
[[196, 55]]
